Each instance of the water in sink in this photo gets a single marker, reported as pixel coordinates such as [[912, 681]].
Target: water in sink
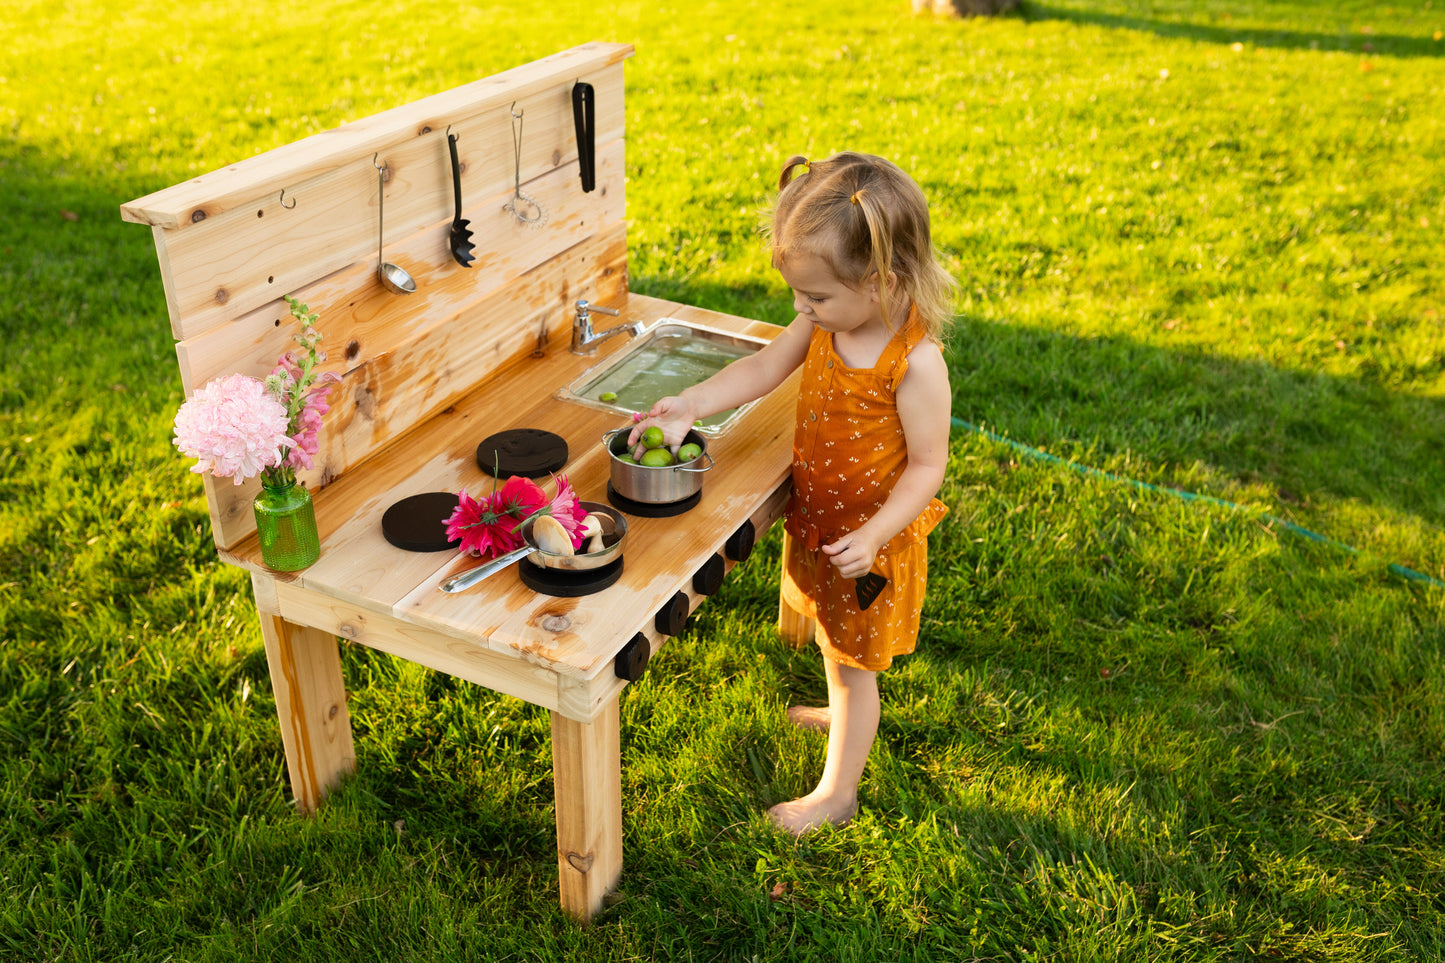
[[666, 359]]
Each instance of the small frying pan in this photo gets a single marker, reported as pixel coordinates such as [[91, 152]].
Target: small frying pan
[[614, 536]]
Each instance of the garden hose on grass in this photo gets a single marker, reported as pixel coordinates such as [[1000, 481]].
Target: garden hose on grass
[[1395, 569]]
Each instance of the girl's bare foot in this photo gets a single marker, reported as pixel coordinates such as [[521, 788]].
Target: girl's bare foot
[[811, 813], [812, 718]]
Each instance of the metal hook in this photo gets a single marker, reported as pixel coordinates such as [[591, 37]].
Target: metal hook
[[383, 169], [283, 200]]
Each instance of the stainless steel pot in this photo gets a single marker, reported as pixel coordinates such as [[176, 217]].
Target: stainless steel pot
[[614, 536], [654, 485]]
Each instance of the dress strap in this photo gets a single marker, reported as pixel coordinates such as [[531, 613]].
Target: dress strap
[[894, 360]]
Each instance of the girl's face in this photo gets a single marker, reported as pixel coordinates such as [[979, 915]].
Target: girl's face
[[823, 298]]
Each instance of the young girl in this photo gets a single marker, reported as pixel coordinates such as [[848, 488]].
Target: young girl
[[851, 237]]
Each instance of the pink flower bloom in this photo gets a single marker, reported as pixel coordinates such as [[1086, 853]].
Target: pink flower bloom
[[492, 523], [307, 424], [233, 427], [568, 510], [480, 528], [520, 497]]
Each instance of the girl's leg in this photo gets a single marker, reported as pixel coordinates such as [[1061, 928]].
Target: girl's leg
[[853, 716]]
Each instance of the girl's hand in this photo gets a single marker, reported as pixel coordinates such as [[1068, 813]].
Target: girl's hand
[[673, 414], [853, 554]]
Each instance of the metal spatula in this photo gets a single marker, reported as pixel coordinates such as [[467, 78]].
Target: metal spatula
[[461, 230]]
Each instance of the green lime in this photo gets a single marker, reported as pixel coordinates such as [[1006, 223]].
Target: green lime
[[625, 456], [656, 458], [607, 396], [652, 438], [689, 451]]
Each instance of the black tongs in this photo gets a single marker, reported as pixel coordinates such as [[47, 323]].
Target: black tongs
[[584, 114]]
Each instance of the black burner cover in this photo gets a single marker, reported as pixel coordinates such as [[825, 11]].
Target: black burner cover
[[652, 509], [529, 452], [551, 581], [419, 523]]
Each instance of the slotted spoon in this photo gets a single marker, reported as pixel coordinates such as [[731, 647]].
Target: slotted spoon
[[461, 229]]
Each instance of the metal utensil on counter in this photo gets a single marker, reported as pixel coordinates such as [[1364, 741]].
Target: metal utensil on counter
[[523, 208], [461, 230], [614, 536], [396, 279]]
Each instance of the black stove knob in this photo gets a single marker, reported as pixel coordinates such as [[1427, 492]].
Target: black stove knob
[[631, 662], [708, 579], [673, 615], [740, 543]]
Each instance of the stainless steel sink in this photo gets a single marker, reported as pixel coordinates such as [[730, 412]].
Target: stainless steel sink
[[665, 358]]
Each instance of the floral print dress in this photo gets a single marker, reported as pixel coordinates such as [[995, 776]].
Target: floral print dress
[[848, 452]]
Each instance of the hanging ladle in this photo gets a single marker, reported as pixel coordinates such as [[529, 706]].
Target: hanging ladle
[[396, 279]]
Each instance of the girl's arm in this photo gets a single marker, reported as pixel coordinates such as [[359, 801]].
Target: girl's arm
[[742, 381], [924, 407]]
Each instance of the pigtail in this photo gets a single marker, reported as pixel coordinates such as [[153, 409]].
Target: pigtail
[[786, 177], [880, 244]]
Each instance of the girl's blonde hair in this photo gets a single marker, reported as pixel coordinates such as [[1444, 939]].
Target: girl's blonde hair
[[863, 217]]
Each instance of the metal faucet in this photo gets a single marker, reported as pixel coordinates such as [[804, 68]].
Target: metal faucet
[[584, 341]]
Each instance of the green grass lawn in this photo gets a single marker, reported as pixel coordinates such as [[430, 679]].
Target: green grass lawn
[[1198, 246]]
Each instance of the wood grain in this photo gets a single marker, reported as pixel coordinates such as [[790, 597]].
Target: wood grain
[[310, 705], [587, 781], [241, 184]]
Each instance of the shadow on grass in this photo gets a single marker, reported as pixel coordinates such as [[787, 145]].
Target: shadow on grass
[[1302, 435], [1298, 435], [1341, 39]]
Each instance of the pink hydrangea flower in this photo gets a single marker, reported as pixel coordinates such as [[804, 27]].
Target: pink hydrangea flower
[[233, 427]]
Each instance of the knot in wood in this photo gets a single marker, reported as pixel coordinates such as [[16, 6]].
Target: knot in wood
[[556, 623]]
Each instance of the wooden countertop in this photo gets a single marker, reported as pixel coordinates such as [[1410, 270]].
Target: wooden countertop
[[554, 651]]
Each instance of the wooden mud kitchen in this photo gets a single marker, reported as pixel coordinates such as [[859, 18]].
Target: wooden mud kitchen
[[483, 345]]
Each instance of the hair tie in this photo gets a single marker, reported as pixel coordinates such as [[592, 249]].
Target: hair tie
[[856, 194], [786, 178]]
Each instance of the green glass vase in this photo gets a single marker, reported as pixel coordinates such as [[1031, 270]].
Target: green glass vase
[[286, 525]]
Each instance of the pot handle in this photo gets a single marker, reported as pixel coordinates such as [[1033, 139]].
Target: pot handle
[[471, 577], [706, 454]]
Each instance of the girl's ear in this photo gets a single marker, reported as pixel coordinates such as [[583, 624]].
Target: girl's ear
[[891, 285]]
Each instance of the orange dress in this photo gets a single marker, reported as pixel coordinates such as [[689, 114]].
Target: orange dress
[[848, 452]]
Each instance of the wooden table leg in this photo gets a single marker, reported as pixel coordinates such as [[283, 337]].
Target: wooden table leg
[[795, 627], [587, 780], [305, 668]]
